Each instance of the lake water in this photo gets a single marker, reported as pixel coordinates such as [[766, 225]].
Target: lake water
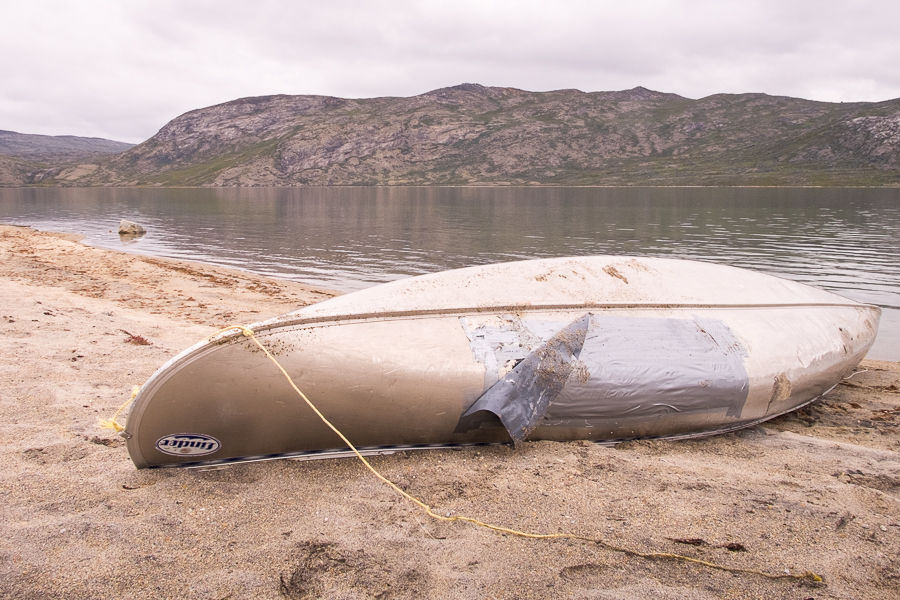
[[844, 240]]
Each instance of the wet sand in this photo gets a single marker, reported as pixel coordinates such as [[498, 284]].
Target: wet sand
[[817, 490]]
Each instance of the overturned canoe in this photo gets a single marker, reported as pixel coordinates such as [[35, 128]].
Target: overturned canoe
[[596, 348]]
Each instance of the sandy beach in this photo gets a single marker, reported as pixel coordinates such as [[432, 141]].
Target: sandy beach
[[816, 491]]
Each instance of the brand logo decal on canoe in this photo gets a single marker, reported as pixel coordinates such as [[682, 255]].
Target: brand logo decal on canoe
[[188, 444]]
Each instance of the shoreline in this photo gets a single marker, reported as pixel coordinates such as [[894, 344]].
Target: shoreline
[[816, 490]]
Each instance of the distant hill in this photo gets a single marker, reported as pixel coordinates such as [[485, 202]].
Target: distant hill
[[42, 147], [470, 134], [27, 158]]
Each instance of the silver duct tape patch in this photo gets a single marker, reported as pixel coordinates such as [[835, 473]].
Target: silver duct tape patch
[[188, 444], [645, 367]]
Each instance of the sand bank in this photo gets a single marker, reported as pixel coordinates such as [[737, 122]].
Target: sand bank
[[816, 491]]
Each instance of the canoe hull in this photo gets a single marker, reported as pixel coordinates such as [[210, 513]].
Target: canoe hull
[[426, 375]]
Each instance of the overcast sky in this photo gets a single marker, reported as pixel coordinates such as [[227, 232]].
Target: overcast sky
[[121, 69]]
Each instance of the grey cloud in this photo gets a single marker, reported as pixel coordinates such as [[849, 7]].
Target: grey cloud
[[123, 69]]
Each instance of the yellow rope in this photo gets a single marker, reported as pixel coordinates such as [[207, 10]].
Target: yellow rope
[[112, 423], [541, 536]]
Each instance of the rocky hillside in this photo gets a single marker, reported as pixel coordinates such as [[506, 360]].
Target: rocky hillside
[[26, 158], [470, 134]]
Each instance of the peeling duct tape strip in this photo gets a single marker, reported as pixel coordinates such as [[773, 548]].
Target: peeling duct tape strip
[[521, 398]]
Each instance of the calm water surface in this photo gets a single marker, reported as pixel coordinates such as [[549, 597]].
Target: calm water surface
[[844, 240]]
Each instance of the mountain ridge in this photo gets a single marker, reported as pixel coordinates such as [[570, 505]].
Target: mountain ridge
[[470, 134]]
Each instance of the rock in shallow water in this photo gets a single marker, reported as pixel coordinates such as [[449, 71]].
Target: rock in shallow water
[[130, 228]]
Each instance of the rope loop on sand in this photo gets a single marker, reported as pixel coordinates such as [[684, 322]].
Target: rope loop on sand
[[854, 373], [112, 423]]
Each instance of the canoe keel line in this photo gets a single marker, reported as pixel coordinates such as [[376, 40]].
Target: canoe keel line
[[594, 348]]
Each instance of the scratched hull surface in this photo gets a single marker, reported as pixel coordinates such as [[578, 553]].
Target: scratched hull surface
[[597, 348]]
